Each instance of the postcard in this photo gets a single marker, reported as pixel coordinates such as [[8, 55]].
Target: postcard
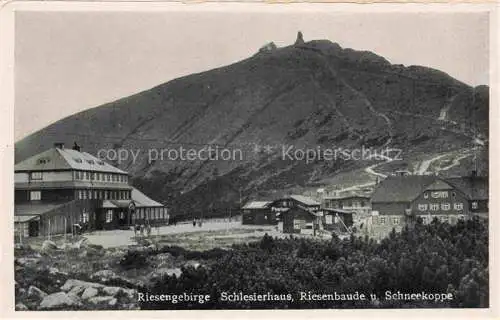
[[250, 157]]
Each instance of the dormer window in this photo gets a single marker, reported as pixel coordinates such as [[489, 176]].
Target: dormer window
[[101, 163], [78, 160], [90, 161], [43, 161]]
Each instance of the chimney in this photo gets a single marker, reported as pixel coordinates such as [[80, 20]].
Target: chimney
[[76, 146], [59, 145]]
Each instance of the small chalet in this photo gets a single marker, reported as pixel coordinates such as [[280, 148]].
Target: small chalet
[[356, 202], [299, 220], [293, 201], [336, 220], [259, 213]]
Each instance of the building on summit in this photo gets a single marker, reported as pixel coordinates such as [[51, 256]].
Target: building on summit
[[61, 189]]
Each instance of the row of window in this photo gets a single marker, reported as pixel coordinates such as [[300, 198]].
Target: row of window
[[146, 213], [88, 176], [389, 220], [347, 204], [104, 194], [99, 176], [444, 206], [449, 219], [90, 194]]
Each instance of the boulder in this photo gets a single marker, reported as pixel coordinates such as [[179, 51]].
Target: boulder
[[36, 293], [59, 300], [55, 272], [191, 263], [71, 283], [77, 290], [48, 247], [112, 291], [27, 261], [21, 307], [89, 293], [80, 244], [163, 272], [100, 300], [104, 276]]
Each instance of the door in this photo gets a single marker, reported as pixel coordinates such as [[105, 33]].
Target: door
[[33, 228]]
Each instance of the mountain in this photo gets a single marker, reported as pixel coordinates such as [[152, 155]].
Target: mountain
[[310, 95]]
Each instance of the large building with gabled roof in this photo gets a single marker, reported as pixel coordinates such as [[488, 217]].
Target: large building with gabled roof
[[61, 189], [401, 199]]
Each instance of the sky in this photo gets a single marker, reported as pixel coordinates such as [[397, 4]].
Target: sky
[[66, 62]]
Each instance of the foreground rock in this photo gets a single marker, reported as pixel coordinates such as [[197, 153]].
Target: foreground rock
[[48, 247], [35, 293], [21, 307], [89, 293], [59, 300]]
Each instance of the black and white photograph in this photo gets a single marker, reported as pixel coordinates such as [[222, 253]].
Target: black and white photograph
[[218, 157]]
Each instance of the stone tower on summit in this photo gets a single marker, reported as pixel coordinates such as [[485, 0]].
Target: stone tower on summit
[[300, 38]]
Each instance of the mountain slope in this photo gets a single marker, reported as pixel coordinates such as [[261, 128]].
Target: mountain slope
[[308, 95]]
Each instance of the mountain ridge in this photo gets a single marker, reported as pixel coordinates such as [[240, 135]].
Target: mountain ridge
[[310, 94]]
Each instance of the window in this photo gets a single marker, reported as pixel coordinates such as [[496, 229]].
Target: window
[[84, 194], [453, 194], [434, 207], [122, 215], [298, 224], [35, 195], [381, 220], [395, 220], [445, 206], [96, 196], [43, 161], [106, 195], [109, 216], [87, 175], [474, 205], [458, 206], [444, 218], [329, 219], [426, 195], [422, 207], [85, 217], [36, 175]]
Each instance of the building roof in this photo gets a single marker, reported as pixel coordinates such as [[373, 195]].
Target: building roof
[[65, 159], [349, 195], [141, 200], [21, 219], [305, 200], [257, 205], [474, 188], [35, 208], [338, 210], [407, 188], [401, 188]]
